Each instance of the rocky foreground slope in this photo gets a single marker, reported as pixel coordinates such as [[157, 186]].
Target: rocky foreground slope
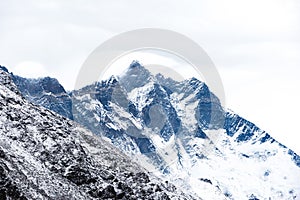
[[46, 156]]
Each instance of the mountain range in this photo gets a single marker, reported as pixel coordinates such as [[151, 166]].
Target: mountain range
[[44, 155], [176, 131]]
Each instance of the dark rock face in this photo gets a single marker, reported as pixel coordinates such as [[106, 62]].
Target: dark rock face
[[8, 189], [46, 92], [46, 156], [295, 157], [3, 69], [234, 123]]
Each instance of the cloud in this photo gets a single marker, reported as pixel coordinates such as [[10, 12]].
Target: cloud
[[30, 69]]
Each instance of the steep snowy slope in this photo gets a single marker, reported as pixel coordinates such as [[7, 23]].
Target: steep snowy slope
[[46, 156]]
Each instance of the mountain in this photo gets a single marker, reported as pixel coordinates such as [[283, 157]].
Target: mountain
[[44, 155], [181, 132]]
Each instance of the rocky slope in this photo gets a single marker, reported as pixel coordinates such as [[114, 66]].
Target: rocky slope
[[45, 156]]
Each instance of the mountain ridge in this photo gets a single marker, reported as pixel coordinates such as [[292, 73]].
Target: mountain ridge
[[121, 110]]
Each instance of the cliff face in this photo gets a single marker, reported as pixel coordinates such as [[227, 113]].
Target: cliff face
[[47, 92]]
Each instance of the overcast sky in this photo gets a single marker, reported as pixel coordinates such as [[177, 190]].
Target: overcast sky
[[254, 44]]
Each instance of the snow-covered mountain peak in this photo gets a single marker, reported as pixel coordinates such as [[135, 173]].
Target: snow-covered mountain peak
[[135, 64], [136, 76]]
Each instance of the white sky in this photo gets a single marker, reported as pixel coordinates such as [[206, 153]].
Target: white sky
[[157, 61], [254, 44]]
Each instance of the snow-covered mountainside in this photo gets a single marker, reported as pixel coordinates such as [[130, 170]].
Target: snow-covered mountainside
[[181, 132], [45, 156]]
